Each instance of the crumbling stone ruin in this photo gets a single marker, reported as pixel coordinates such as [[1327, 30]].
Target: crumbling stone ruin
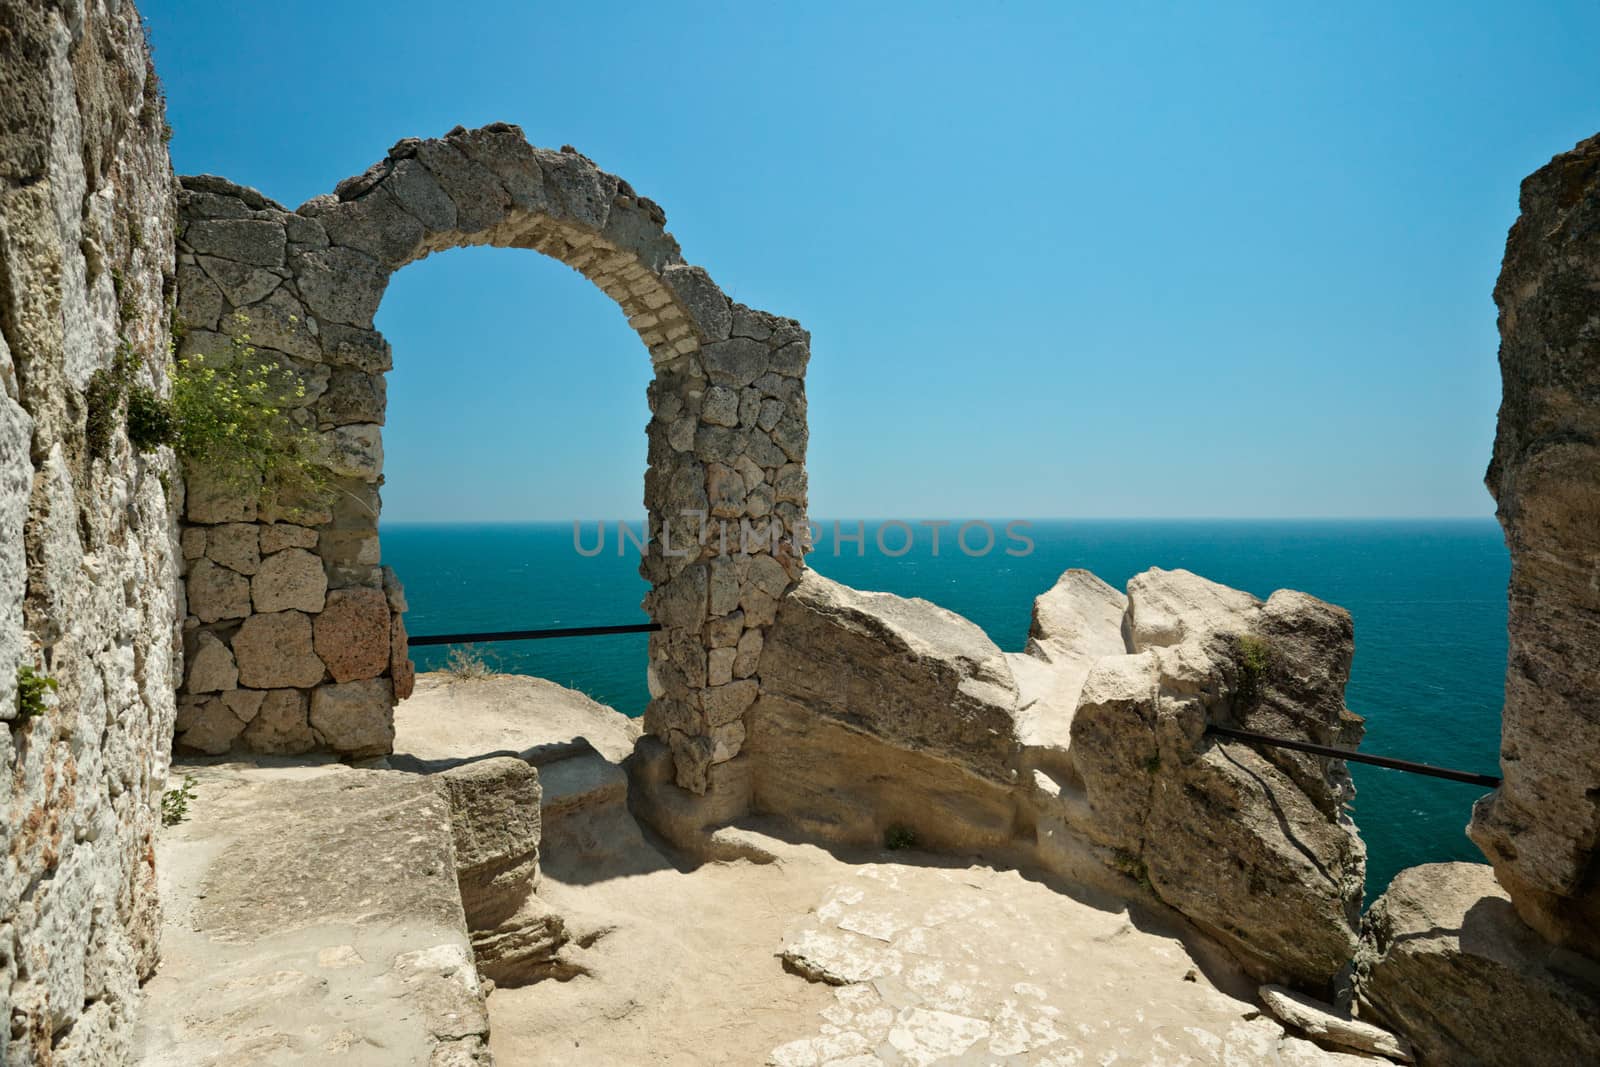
[[296, 634], [145, 606]]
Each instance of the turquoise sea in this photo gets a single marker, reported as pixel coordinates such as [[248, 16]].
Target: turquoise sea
[[1428, 598]]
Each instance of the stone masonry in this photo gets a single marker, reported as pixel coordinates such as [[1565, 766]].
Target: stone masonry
[[295, 634], [87, 545]]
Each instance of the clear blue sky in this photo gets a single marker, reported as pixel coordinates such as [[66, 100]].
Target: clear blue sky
[[1057, 259]]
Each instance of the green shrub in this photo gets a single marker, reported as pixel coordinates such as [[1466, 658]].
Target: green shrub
[[102, 399], [466, 664], [31, 688], [150, 422], [899, 837], [1254, 657], [229, 415], [175, 802]]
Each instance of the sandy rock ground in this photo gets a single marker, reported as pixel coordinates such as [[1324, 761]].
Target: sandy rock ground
[[821, 956], [873, 958]]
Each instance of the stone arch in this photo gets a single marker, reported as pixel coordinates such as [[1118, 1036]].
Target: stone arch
[[296, 639]]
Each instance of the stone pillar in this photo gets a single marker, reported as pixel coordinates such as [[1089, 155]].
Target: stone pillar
[[1541, 828], [300, 645]]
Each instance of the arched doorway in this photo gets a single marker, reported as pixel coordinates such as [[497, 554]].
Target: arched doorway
[[295, 636]]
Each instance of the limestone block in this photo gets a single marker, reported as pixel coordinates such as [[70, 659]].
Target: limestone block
[[748, 655], [277, 536], [292, 579], [748, 322], [790, 360], [401, 670], [211, 727], [720, 407], [719, 666], [725, 489], [235, 545], [351, 346], [376, 227], [480, 200], [280, 323], [1144, 782], [199, 298], [193, 542], [352, 634], [725, 703], [354, 451], [211, 668], [255, 241], [341, 285], [1168, 607], [241, 283], [216, 593], [707, 306], [735, 362], [725, 631], [280, 726], [495, 820], [905, 671], [275, 651], [208, 499], [355, 718], [749, 407], [1445, 961], [353, 396]]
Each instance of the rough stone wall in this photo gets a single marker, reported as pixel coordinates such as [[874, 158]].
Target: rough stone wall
[[1541, 828], [294, 643], [86, 541]]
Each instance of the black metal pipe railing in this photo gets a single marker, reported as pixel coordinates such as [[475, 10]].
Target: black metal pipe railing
[[530, 635], [1408, 766], [1215, 730]]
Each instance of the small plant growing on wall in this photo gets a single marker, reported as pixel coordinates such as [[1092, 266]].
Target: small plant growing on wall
[[230, 415], [899, 837], [31, 689], [1254, 656]]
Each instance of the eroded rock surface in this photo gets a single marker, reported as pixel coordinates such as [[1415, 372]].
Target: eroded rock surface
[[888, 719], [1541, 828], [87, 553], [973, 965], [1446, 961], [1252, 845], [882, 714], [313, 918]]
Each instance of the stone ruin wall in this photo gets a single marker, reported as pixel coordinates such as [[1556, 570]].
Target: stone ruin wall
[[295, 633], [87, 546]]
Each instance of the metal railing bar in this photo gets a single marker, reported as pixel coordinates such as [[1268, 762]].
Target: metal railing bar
[[530, 635], [1392, 764]]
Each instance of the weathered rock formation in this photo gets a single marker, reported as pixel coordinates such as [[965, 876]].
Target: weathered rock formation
[[880, 714], [884, 720], [725, 491], [86, 546], [1253, 845], [1446, 961], [1541, 828]]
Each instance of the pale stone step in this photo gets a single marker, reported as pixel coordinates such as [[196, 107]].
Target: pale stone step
[[311, 915]]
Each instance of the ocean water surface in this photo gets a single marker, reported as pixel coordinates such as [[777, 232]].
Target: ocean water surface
[[1428, 599]]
